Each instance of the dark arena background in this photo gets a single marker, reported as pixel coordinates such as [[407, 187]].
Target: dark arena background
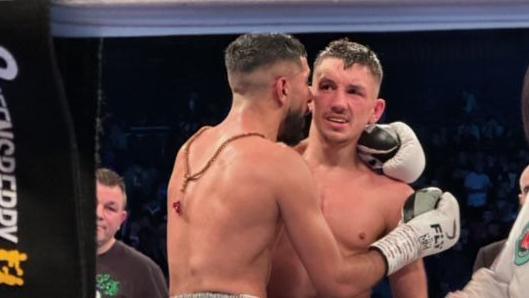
[[456, 83], [459, 90]]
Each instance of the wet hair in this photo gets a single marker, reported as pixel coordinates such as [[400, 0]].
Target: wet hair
[[251, 51], [351, 53]]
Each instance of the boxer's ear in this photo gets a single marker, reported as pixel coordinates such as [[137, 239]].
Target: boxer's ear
[[378, 110], [281, 90]]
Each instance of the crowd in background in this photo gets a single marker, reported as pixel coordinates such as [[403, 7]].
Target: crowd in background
[[459, 92], [478, 156]]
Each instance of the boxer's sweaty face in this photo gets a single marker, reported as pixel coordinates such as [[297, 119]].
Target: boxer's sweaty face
[[109, 211], [344, 99]]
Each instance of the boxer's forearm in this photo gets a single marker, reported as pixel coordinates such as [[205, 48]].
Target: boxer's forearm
[[410, 281]]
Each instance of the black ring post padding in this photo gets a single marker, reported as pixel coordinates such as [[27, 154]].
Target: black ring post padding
[[47, 222]]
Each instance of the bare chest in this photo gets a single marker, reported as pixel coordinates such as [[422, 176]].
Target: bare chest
[[356, 214]]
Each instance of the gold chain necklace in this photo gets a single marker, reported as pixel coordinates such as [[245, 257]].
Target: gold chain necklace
[[188, 177]]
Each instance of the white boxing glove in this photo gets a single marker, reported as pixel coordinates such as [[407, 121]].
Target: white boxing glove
[[393, 150], [433, 227]]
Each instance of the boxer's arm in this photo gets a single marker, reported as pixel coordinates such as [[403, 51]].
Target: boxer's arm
[[331, 273], [410, 281], [431, 224], [430, 213]]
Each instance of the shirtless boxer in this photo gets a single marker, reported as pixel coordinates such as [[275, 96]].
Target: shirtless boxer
[[233, 187], [359, 205], [510, 271]]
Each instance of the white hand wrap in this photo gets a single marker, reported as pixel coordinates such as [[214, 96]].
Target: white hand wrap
[[428, 233], [400, 247]]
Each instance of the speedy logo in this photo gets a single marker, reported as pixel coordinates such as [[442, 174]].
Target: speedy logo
[[521, 253], [8, 182], [11, 272]]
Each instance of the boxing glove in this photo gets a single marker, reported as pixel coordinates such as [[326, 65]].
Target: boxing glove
[[431, 225], [393, 150]]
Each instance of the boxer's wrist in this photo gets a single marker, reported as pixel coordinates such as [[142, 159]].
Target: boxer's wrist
[[379, 255], [432, 226], [399, 248]]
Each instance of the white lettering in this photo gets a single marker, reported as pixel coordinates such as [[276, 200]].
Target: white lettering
[[7, 164], [8, 217], [7, 147], [8, 186], [9, 233], [8, 182], [11, 69], [4, 115], [8, 199]]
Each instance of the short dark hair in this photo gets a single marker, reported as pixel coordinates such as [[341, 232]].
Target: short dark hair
[[107, 177], [351, 53], [251, 51], [525, 104]]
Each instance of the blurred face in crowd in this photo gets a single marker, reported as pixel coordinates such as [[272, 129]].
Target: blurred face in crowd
[[524, 186], [110, 213], [345, 100]]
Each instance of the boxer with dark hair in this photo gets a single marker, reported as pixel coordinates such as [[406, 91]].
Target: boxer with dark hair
[[233, 188], [359, 205]]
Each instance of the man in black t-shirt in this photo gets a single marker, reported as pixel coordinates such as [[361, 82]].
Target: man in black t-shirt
[[121, 270]]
